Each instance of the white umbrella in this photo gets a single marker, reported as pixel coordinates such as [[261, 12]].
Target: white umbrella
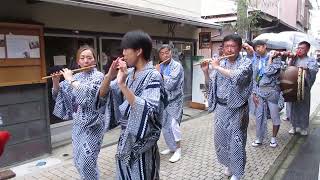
[[295, 37], [273, 41]]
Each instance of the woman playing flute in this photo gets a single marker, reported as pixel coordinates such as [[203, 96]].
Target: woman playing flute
[[74, 100]]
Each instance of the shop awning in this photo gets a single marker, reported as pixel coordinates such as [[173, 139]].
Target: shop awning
[[114, 6]]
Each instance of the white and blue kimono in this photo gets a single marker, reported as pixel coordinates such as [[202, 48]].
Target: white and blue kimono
[[266, 86], [173, 76], [228, 97], [137, 154], [88, 125], [300, 110]]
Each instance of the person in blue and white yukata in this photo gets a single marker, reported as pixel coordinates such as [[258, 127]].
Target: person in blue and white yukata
[[134, 98], [229, 88], [266, 90], [299, 111], [74, 99], [173, 77]]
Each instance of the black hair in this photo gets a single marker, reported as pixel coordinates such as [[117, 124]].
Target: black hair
[[306, 43], [234, 37], [136, 40], [259, 43]]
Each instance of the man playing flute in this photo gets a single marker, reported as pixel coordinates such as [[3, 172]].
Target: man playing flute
[[134, 100], [229, 88], [173, 77]]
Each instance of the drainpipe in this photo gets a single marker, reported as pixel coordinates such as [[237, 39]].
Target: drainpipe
[[278, 15]]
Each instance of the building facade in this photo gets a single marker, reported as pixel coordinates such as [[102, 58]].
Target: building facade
[[68, 24], [272, 15]]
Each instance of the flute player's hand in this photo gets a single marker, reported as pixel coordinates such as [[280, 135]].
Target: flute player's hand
[[157, 67], [55, 80], [215, 63], [205, 66], [67, 74], [113, 70], [122, 73]]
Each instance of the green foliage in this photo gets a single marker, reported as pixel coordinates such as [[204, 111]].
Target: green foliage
[[242, 25], [246, 22]]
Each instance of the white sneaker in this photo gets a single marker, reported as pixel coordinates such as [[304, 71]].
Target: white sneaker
[[234, 178], [227, 172], [176, 156], [273, 142], [256, 143], [292, 131], [304, 132], [165, 152], [298, 130]]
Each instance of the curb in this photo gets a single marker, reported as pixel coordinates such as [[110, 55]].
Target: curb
[[281, 159]]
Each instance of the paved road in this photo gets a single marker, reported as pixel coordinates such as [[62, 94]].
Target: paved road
[[198, 162]]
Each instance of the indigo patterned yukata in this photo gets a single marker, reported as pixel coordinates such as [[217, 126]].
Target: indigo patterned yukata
[[266, 86], [228, 97], [88, 125], [137, 154], [299, 111], [173, 76]]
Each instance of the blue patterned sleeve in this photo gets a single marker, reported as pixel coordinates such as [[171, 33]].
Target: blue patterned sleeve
[[211, 91], [109, 106], [174, 79], [241, 85], [312, 70], [242, 76], [64, 101], [254, 86], [254, 76], [144, 120], [146, 105], [86, 91], [274, 67]]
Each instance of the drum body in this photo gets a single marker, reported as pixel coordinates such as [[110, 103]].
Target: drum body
[[292, 83]]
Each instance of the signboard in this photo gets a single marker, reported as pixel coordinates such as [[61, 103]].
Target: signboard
[[204, 40], [22, 46]]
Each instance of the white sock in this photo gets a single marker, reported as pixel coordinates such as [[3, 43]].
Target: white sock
[[273, 140], [257, 140], [234, 177]]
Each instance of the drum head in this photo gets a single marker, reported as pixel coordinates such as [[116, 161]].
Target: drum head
[[289, 84]]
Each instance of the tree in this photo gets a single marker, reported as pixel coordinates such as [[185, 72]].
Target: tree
[[243, 23]]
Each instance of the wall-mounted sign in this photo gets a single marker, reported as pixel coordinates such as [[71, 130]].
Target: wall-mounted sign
[[23, 46], [204, 40]]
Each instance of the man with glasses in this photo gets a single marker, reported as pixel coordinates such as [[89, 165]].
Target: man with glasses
[[229, 88]]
